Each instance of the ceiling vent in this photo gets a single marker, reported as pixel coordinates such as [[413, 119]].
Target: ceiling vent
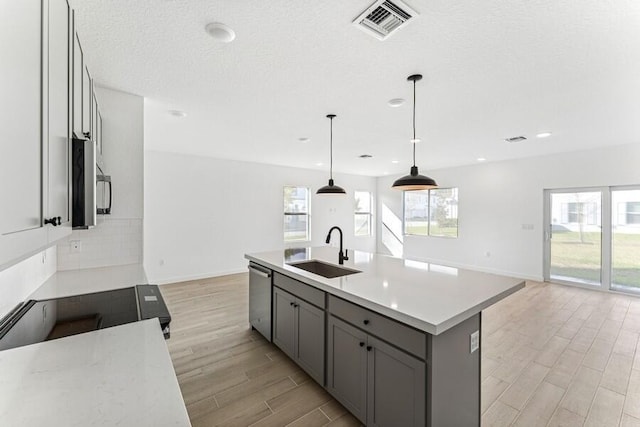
[[516, 139], [384, 18]]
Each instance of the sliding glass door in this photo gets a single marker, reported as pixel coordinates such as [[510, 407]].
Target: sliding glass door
[[593, 237], [575, 237], [625, 241]]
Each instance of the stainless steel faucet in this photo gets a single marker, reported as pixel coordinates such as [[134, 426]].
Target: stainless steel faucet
[[341, 256]]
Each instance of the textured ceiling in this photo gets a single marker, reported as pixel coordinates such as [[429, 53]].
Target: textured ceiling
[[493, 69]]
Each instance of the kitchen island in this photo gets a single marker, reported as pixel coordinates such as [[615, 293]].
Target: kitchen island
[[397, 342]]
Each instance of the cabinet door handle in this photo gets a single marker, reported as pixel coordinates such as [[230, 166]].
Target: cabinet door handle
[[361, 344], [369, 348], [366, 322], [55, 221], [292, 304]]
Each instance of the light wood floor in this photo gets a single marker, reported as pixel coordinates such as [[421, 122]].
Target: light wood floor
[[551, 356]]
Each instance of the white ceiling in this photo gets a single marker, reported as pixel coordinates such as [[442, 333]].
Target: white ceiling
[[493, 69]]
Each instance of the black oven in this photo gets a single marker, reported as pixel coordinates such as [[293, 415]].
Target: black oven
[[36, 321]]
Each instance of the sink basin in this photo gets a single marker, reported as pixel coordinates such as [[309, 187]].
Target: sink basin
[[324, 269]]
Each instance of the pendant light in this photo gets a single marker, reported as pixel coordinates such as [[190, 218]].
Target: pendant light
[[414, 181], [331, 188]]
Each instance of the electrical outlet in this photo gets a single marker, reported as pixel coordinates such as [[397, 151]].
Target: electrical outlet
[[474, 343], [76, 246]]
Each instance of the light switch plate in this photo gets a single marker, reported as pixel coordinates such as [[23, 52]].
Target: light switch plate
[[474, 341]]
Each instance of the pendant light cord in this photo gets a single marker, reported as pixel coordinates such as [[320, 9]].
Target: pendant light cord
[[414, 123], [331, 149]]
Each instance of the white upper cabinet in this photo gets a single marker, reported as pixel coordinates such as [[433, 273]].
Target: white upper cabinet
[[77, 86], [58, 193], [87, 101], [34, 125], [20, 116]]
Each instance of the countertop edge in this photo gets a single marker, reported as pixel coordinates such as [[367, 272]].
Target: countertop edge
[[390, 313]]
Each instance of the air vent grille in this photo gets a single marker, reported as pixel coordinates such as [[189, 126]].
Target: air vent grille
[[384, 17], [516, 139]]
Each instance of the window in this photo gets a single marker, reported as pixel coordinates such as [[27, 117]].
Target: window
[[362, 214], [431, 213], [633, 213], [296, 214], [443, 212], [580, 212]]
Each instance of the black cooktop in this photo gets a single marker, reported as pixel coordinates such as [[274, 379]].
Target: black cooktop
[[37, 321]]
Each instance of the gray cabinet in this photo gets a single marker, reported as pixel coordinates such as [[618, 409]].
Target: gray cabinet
[[379, 384], [347, 366], [396, 386], [298, 329]]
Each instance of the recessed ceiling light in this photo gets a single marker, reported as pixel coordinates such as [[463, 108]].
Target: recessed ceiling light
[[365, 156], [319, 164], [481, 159], [385, 173], [177, 113], [543, 135], [304, 140], [395, 161], [220, 32], [395, 102]]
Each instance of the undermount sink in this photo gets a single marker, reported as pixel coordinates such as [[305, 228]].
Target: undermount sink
[[324, 269]]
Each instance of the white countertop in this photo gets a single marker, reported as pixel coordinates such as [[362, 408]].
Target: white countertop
[[116, 376], [89, 280], [429, 297]]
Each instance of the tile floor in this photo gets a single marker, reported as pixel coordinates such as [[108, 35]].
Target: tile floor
[[556, 355], [552, 355]]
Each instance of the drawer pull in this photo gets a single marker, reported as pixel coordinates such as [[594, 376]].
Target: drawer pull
[[361, 344], [366, 322], [369, 348]]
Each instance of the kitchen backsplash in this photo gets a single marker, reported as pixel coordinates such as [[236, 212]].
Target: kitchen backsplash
[[114, 241]]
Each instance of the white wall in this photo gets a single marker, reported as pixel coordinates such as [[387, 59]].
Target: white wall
[[117, 239], [203, 214], [496, 199], [20, 280]]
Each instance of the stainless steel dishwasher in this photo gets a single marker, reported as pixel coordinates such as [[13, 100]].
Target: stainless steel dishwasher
[[260, 299]]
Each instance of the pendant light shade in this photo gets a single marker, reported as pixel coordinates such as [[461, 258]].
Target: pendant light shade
[[414, 181], [331, 188]]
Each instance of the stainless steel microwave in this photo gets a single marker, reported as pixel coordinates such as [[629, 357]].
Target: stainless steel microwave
[[91, 191]]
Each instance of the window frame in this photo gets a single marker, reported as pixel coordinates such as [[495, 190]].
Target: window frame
[[286, 214], [368, 213], [429, 197]]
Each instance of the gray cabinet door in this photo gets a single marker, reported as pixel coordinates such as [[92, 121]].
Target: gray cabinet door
[[284, 321], [310, 339], [396, 387], [347, 366]]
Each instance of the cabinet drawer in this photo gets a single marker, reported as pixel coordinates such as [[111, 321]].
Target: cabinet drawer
[[404, 337], [299, 289]]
